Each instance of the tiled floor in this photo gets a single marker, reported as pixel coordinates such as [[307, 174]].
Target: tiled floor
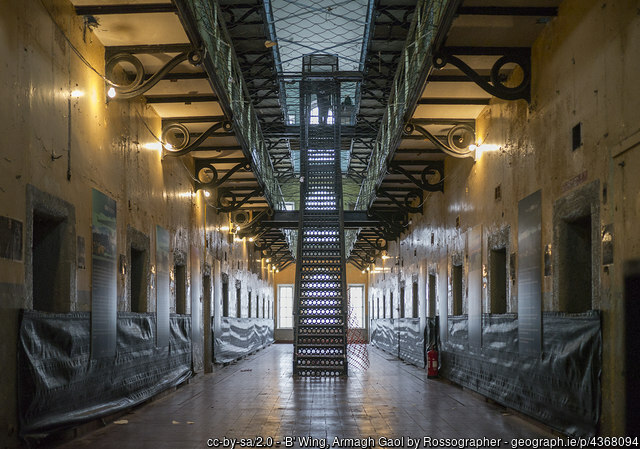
[[258, 397]]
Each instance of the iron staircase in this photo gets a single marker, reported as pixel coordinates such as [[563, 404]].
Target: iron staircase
[[320, 306]]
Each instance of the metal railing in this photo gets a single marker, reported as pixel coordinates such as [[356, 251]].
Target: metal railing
[[405, 91], [232, 91]]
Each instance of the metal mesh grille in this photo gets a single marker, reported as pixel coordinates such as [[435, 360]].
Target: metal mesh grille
[[321, 321]]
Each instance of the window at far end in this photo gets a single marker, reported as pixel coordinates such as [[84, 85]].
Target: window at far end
[[356, 305], [285, 306]]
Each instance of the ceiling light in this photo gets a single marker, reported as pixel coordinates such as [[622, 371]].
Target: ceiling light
[[111, 93], [207, 193]]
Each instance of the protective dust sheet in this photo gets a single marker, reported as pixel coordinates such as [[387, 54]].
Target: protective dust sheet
[[60, 385], [384, 335], [560, 387], [238, 337], [405, 338]]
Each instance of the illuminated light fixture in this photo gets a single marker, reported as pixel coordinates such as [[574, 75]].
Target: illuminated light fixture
[[111, 93], [207, 193], [155, 146], [77, 93], [368, 268], [251, 239], [277, 270], [479, 150], [268, 260], [385, 256], [270, 44], [363, 272]]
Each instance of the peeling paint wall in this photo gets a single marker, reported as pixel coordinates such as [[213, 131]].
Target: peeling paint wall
[[98, 145], [584, 70]]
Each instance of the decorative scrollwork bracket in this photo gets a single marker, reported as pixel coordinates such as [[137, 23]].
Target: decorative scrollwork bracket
[[433, 169], [139, 86], [186, 146], [496, 87], [405, 204], [228, 199], [207, 174]]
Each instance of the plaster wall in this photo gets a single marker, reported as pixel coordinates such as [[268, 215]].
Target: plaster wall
[[584, 70], [64, 147]]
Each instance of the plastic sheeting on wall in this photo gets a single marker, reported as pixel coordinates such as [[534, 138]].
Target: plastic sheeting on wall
[[411, 344], [384, 335], [561, 387], [59, 385], [238, 337], [402, 337]]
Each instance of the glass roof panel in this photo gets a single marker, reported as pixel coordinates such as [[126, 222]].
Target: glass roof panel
[[320, 26]]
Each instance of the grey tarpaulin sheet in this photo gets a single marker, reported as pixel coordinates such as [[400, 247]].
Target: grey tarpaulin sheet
[[561, 387], [60, 385], [401, 337], [238, 337], [411, 347], [384, 335]]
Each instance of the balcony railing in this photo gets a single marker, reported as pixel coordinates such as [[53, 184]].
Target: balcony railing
[[406, 89]]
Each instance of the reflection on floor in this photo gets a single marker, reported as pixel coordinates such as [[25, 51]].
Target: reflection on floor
[[259, 397]]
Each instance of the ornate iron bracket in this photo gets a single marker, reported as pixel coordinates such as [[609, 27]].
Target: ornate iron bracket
[[405, 205], [286, 264], [254, 227], [229, 205], [138, 86], [207, 174], [365, 257], [267, 243], [186, 146], [380, 244], [459, 138], [496, 87], [390, 229], [432, 168]]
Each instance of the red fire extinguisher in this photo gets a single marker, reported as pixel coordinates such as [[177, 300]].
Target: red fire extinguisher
[[432, 362]]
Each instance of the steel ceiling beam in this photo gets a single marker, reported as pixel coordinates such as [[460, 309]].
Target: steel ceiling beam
[[433, 78], [454, 101], [218, 148], [140, 8], [197, 98], [482, 51], [177, 76], [148, 49], [532, 11], [194, 119]]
